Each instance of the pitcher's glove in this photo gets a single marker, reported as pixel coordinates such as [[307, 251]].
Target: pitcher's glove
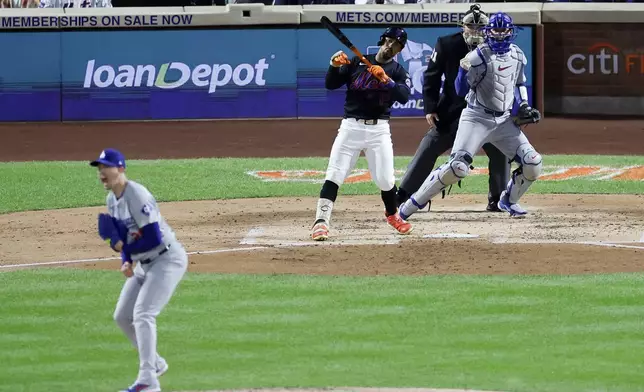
[[527, 115]]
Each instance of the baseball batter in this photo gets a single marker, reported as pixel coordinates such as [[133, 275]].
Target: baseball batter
[[491, 78], [134, 226], [371, 91]]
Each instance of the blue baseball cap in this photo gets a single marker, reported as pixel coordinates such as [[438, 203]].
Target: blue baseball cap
[[110, 157]]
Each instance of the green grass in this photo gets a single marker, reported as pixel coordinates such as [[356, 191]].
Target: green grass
[[50, 185], [564, 334], [532, 334]]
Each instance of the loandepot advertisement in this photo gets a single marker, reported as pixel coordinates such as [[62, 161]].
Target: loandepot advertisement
[[195, 74], [109, 75]]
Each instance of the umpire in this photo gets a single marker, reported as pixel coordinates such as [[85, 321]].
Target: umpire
[[443, 112]]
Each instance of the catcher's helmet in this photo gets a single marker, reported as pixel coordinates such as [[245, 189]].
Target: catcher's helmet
[[398, 33], [500, 32]]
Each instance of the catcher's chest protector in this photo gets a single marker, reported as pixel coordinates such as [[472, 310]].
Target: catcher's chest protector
[[498, 77]]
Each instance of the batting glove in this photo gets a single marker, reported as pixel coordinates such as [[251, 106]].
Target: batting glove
[[339, 59]]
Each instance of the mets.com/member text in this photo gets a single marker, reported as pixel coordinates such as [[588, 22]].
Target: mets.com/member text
[[399, 17]]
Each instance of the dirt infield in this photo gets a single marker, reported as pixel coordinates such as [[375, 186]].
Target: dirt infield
[[564, 233]]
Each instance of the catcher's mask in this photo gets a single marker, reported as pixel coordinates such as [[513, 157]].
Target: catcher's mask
[[397, 33], [473, 23], [500, 32]]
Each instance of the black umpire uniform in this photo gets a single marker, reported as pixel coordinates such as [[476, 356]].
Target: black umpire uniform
[[449, 51]]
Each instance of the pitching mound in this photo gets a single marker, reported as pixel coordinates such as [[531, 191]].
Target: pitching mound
[[563, 234]]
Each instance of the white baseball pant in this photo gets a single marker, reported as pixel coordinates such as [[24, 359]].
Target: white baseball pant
[[353, 137]]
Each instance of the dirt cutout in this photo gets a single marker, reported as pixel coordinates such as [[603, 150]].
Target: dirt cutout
[[564, 234], [271, 235]]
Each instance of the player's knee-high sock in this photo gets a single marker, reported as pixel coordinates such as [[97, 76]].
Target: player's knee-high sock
[[328, 194], [389, 198]]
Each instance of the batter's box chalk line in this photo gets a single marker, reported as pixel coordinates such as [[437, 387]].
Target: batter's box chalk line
[[451, 235], [612, 244], [277, 237]]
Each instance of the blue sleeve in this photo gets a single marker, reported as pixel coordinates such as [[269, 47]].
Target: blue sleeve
[[461, 83], [125, 257], [517, 96], [150, 239]]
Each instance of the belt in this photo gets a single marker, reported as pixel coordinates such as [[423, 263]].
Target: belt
[[369, 121], [149, 260], [488, 111]]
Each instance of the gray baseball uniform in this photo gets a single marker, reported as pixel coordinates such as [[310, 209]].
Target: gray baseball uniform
[[156, 276], [487, 119]]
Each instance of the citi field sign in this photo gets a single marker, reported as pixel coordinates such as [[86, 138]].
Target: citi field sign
[[606, 59]]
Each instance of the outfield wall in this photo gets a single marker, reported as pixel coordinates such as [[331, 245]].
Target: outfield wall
[[253, 61]]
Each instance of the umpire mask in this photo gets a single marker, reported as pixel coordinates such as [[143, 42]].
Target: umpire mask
[[473, 23]]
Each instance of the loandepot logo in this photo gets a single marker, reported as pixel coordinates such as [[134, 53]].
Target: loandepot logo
[[174, 75]]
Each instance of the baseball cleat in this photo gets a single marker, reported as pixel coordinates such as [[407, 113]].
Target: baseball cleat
[[138, 387], [515, 209], [320, 232], [398, 223], [493, 206], [162, 368]]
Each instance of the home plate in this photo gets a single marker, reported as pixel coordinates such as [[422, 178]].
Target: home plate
[[451, 235]]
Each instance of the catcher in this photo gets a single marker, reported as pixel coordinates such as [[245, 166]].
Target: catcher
[[443, 108], [491, 78]]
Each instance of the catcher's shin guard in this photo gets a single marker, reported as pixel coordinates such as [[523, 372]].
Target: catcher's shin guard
[[529, 170], [457, 168]]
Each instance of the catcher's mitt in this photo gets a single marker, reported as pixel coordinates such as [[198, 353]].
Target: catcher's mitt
[[527, 115]]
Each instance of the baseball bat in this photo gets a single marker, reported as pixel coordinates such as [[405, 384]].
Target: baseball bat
[[326, 22]]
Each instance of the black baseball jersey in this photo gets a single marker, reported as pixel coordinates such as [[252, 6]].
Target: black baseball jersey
[[367, 97], [446, 58]]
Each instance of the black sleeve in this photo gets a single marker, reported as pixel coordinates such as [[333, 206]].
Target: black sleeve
[[401, 90], [432, 79], [338, 77]]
